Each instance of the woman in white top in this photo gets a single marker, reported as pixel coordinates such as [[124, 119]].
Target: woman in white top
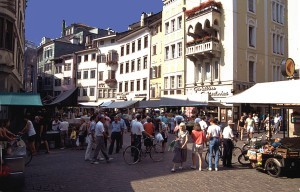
[[29, 129]]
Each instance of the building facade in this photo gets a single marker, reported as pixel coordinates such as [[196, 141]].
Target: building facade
[[173, 29], [12, 45]]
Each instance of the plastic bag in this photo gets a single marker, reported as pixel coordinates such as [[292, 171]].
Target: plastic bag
[[77, 142], [159, 137]]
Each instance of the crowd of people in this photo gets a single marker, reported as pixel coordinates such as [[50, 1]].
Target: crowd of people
[[101, 134]]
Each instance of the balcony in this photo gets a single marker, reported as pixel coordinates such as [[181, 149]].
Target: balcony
[[111, 63], [209, 46], [111, 82]]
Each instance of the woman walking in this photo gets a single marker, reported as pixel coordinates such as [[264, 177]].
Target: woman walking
[[241, 127], [180, 151], [199, 139]]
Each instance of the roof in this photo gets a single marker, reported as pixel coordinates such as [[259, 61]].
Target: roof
[[279, 92], [22, 99]]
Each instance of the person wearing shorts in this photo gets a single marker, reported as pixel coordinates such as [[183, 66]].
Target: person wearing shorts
[[198, 137], [249, 124]]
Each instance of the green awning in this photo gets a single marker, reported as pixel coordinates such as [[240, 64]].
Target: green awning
[[24, 99]]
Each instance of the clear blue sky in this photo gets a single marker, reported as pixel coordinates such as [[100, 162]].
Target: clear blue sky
[[44, 18]]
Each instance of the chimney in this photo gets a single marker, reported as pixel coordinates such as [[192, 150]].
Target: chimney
[[63, 33], [143, 16]]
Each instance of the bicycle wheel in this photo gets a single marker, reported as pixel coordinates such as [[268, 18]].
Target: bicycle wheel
[[236, 151], [156, 153], [131, 155], [246, 147], [243, 160], [28, 157]]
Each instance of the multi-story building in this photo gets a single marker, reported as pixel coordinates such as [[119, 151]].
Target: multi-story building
[[133, 74], [12, 45], [232, 45], [157, 58], [74, 38], [173, 23], [30, 67]]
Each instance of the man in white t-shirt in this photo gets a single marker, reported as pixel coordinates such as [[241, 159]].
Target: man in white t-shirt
[[55, 123], [249, 125], [63, 127], [214, 134]]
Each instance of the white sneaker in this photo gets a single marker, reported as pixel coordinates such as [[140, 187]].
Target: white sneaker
[[216, 169], [200, 169], [101, 159], [109, 159], [209, 169]]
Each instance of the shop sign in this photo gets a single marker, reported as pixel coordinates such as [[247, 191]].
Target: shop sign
[[287, 67], [212, 91]]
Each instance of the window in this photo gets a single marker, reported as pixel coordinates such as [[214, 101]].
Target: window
[[167, 53], [251, 6], [172, 82], [67, 81], [173, 52], [102, 42], [86, 57], [84, 92], [57, 82], [145, 41], [179, 47], [112, 41], [131, 85], [166, 82], [154, 50], [85, 74], [111, 74], [277, 12], [251, 71], [67, 67], [47, 67], [274, 43], [6, 34], [139, 44], [79, 59], [167, 27], [101, 75], [133, 47], [127, 49], [127, 67], [58, 69], [105, 93], [251, 36], [207, 71], [216, 67], [93, 74], [79, 75], [132, 66], [173, 25], [92, 91], [93, 56], [122, 51], [138, 85], [179, 81], [179, 22], [145, 63], [121, 68], [120, 87], [126, 86], [144, 84], [138, 64]]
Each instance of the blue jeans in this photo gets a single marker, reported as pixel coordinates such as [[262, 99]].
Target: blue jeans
[[214, 144]]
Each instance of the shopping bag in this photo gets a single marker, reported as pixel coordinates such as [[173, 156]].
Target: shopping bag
[[159, 137]]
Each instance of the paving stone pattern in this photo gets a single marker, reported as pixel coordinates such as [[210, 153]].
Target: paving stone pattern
[[66, 171]]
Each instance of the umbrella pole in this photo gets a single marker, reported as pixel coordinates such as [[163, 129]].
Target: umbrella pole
[[270, 129]]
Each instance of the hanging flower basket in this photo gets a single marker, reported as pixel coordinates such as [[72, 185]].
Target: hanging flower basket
[[202, 6], [110, 63], [111, 82]]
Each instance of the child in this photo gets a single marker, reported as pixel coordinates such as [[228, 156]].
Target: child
[[73, 137], [199, 139]]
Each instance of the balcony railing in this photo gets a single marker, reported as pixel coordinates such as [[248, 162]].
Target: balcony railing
[[202, 48]]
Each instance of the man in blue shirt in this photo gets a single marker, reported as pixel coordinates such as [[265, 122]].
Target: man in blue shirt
[[116, 134]]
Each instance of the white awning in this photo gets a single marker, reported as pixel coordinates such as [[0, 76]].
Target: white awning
[[280, 92], [184, 100], [91, 103], [106, 103]]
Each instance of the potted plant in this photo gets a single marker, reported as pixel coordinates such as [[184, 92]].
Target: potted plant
[[110, 63], [111, 82]]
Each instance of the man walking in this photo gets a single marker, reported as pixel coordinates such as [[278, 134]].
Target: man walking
[[228, 144], [249, 125], [116, 135], [100, 134]]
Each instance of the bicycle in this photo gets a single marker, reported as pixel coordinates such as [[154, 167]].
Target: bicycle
[[236, 151], [133, 154]]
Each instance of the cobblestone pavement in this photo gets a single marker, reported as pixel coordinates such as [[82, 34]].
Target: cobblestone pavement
[[66, 171]]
